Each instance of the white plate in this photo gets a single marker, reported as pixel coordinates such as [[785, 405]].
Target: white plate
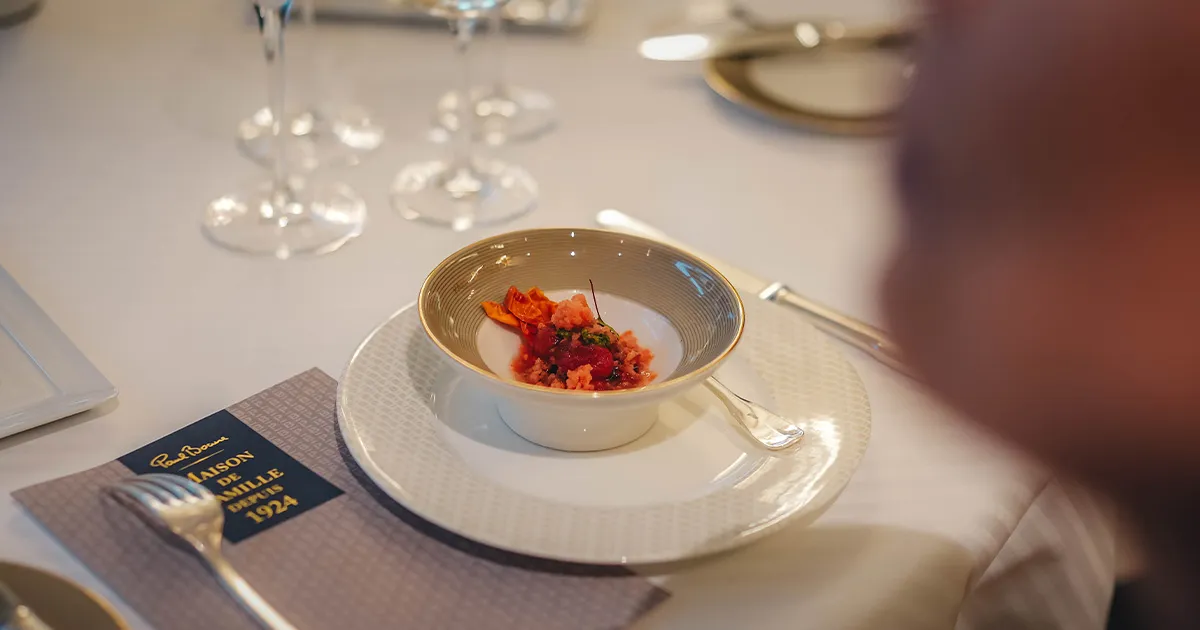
[[43, 376], [693, 485]]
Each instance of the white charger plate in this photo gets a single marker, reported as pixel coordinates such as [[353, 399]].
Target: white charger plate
[[693, 485], [43, 376]]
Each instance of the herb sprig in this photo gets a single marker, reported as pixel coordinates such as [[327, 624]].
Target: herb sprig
[[596, 303]]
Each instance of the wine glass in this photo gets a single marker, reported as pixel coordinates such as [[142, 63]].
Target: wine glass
[[320, 135], [467, 189], [286, 215], [505, 112]]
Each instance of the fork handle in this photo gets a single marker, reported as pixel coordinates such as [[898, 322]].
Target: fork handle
[[245, 595]]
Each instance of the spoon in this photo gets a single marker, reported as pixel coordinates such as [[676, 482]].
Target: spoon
[[766, 427]]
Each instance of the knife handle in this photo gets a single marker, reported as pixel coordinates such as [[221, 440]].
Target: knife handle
[[856, 333]]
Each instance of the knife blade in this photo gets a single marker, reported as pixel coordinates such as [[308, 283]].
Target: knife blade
[[802, 36], [856, 333]]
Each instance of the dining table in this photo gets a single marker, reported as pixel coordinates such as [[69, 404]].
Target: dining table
[[117, 123]]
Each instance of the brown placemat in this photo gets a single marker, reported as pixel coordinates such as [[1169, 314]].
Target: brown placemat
[[356, 561]]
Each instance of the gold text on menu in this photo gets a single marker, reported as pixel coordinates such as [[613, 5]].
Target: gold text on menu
[[251, 497]]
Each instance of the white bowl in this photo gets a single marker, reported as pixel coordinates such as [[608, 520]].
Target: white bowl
[[678, 306]]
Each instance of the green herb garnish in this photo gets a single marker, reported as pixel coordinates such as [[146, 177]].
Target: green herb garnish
[[590, 338], [563, 333]]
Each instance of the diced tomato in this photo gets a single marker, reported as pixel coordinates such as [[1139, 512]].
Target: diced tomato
[[575, 355], [602, 364], [543, 340], [523, 361]]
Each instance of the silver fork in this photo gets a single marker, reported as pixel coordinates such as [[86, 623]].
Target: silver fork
[[182, 510]]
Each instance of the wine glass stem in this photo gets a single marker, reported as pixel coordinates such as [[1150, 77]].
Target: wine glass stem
[[272, 31], [464, 132], [496, 28], [314, 60], [308, 14]]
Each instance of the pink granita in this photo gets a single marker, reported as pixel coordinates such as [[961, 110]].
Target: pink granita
[[573, 313]]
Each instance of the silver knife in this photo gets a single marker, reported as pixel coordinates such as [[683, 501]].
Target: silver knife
[[859, 334], [802, 36]]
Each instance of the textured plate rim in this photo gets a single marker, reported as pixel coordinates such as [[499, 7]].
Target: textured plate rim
[[804, 512]]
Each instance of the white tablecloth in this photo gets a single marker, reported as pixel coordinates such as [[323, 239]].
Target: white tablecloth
[[116, 123]]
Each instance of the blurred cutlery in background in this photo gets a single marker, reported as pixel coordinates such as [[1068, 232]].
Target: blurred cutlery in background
[[548, 15], [799, 37]]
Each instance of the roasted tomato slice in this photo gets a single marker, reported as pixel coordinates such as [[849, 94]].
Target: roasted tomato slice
[[497, 312], [547, 305], [526, 308], [544, 341]]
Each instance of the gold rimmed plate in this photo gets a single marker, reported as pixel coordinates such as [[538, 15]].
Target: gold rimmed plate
[[59, 602], [851, 90]]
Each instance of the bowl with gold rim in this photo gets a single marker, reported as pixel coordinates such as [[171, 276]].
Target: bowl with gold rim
[[557, 301]]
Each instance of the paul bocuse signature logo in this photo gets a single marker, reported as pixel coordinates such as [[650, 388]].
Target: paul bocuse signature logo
[[258, 484], [164, 460]]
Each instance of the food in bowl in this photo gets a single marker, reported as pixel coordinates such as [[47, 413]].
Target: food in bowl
[[564, 345]]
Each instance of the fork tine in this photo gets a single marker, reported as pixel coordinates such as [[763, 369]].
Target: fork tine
[[192, 489], [170, 483], [134, 497], [165, 498], [195, 488]]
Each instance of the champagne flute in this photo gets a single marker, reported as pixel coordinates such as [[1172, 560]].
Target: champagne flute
[[505, 112], [467, 189], [320, 135], [284, 216]]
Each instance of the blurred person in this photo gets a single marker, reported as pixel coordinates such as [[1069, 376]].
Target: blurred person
[[1047, 282]]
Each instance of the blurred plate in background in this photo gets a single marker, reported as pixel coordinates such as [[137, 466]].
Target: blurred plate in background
[[13, 11], [836, 91], [43, 376], [61, 604]]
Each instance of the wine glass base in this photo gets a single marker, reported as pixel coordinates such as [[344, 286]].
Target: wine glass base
[[316, 139], [308, 222], [511, 114], [489, 193]]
